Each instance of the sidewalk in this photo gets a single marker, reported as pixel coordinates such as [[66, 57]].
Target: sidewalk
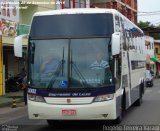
[[7, 99]]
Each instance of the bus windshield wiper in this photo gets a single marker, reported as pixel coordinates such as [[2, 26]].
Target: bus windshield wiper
[[57, 72], [55, 75], [77, 71]]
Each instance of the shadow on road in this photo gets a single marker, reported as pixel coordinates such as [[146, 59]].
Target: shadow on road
[[79, 125], [75, 126]]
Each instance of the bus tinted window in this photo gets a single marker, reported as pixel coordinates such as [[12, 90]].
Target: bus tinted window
[[72, 25]]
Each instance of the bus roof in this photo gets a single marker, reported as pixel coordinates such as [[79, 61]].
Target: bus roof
[[83, 11], [76, 11]]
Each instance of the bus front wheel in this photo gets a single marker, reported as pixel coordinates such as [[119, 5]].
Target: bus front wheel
[[122, 110]]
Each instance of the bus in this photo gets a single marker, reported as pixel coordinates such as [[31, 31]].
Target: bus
[[84, 64]]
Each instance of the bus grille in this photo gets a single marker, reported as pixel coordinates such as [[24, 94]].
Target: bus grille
[[69, 101]]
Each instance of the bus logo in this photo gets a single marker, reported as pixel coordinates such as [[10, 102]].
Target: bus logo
[[68, 101]]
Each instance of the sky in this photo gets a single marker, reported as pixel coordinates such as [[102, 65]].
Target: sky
[[149, 6]]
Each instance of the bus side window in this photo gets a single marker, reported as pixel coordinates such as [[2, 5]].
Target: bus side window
[[117, 23], [123, 34]]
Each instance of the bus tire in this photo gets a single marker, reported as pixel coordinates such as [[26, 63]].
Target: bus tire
[[119, 118]]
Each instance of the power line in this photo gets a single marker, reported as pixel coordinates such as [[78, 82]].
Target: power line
[[140, 13], [157, 20], [156, 23], [148, 12]]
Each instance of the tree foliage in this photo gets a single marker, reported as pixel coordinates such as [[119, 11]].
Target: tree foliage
[[143, 25], [146, 26]]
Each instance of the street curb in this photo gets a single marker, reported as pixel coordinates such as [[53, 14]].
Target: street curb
[[9, 103]]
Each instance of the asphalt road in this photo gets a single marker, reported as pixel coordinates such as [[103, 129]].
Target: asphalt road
[[147, 114]]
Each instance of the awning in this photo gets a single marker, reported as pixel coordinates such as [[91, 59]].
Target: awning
[[9, 41], [154, 59]]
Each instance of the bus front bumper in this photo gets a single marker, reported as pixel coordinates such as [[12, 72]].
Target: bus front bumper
[[95, 111]]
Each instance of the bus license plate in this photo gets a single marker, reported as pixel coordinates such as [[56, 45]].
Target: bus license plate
[[69, 112]]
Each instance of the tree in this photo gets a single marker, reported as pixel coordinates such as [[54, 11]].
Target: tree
[[143, 25], [150, 29]]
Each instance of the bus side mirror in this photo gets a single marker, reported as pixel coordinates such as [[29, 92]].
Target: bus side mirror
[[18, 45], [115, 43]]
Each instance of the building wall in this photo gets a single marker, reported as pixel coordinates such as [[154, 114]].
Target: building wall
[[73, 4], [126, 7], [157, 54], [157, 50], [149, 50], [149, 46], [12, 64], [26, 14]]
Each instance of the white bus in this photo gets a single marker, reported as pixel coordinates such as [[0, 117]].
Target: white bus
[[84, 64]]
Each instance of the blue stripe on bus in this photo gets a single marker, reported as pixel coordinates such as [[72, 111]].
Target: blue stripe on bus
[[72, 92]]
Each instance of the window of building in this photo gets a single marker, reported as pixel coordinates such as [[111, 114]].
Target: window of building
[[67, 3]]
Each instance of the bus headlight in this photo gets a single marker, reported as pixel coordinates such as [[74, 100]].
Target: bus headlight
[[103, 98], [35, 98]]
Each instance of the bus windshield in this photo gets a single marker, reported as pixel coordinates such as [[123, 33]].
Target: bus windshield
[[70, 63]]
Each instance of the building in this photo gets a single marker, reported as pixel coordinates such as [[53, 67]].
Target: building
[[15, 19], [150, 54], [9, 17], [19, 24], [154, 32], [61, 4], [157, 56], [126, 7]]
